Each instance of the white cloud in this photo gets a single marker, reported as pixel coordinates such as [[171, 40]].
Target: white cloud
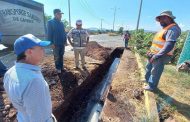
[[181, 25]]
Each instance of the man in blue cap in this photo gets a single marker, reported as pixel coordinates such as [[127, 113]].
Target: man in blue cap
[[3, 68], [57, 36], [24, 83]]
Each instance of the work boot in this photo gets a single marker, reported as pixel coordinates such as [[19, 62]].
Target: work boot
[[148, 88]]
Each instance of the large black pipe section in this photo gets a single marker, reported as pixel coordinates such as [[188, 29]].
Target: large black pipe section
[[99, 94]]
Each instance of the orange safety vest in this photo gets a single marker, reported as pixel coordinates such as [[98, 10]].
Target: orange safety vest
[[158, 41]]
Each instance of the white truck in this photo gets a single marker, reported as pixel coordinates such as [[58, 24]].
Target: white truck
[[19, 17]]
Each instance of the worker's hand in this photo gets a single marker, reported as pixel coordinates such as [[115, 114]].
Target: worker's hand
[[149, 55], [53, 46], [153, 58]]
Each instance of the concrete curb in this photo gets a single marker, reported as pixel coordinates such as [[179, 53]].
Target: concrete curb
[[150, 102]]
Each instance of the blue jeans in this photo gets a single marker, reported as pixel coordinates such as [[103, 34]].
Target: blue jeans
[[126, 43], [3, 69], [154, 70], [58, 53]]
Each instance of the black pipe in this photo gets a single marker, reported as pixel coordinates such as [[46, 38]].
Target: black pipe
[[99, 94]]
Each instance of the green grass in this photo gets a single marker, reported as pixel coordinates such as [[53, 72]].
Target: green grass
[[182, 77], [173, 95]]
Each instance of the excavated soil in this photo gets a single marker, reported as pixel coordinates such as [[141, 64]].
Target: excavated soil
[[62, 86], [70, 89], [125, 101], [95, 47]]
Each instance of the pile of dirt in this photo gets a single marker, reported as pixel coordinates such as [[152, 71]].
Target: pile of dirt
[[7, 111], [125, 101], [96, 51]]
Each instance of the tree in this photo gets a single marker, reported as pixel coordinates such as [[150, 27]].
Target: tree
[[47, 17], [65, 22], [66, 25], [120, 30]]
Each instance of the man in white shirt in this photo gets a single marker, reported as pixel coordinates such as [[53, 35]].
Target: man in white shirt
[[24, 83], [80, 38]]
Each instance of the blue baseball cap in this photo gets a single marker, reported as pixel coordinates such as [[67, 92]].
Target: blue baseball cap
[[28, 41]]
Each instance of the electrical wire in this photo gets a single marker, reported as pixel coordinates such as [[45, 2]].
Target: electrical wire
[[87, 8]]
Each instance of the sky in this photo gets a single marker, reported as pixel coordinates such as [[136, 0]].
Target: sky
[[92, 11]]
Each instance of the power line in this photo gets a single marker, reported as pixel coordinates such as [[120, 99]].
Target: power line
[[90, 11]]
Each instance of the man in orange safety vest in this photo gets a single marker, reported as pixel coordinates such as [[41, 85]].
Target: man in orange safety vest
[[161, 49]]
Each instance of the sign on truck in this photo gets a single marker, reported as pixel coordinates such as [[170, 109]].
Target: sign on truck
[[19, 17]]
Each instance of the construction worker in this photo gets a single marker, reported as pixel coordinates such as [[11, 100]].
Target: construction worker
[[80, 38], [162, 49], [126, 38], [57, 36], [26, 87], [3, 68]]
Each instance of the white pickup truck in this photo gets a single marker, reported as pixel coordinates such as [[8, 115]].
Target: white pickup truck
[[19, 17]]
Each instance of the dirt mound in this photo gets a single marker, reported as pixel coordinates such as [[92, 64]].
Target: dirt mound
[[96, 51], [7, 111]]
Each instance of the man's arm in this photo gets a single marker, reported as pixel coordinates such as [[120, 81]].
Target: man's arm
[[50, 32], [69, 36], [87, 40], [169, 45], [65, 35]]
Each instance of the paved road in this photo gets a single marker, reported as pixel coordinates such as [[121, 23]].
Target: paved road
[[108, 41], [103, 39]]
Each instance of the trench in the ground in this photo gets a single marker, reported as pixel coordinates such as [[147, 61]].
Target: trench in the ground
[[74, 106]]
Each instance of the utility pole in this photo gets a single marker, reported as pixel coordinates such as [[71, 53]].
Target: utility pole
[[139, 15], [101, 24], [115, 9], [69, 13], [114, 18]]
